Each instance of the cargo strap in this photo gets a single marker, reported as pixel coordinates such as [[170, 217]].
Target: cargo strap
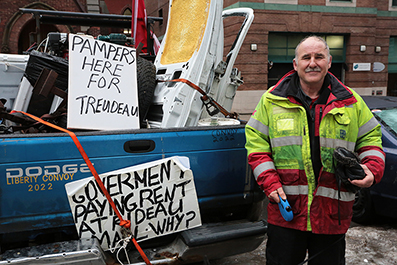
[[207, 100], [123, 223]]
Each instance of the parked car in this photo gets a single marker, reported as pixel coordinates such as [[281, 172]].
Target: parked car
[[381, 199]]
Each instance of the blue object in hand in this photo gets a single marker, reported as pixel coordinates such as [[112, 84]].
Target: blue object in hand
[[285, 209]]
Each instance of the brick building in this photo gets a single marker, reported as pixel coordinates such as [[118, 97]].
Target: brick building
[[18, 30], [362, 36]]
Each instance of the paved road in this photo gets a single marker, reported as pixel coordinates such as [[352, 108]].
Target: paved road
[[373, 245]]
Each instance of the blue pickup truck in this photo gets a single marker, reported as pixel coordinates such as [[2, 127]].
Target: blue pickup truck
[[35, 210]]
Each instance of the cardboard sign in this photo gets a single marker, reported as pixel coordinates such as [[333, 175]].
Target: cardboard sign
[[158, 198], [102, 91]]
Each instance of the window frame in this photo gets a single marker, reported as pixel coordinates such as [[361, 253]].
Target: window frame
[[343, 3], [288, 2], [392, 7]]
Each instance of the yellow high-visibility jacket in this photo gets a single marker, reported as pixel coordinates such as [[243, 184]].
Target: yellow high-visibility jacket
[[279, 153]]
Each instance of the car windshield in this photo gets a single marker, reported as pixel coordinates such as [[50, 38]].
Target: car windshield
[[388, 118]]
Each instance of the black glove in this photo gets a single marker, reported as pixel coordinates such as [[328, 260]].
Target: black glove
[[347, 166]]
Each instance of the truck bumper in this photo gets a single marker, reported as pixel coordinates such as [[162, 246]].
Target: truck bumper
[[209, 241]]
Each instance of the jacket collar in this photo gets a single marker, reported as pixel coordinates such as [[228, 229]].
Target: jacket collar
[[289, 84]]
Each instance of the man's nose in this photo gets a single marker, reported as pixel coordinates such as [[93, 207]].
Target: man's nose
[[312, 61]]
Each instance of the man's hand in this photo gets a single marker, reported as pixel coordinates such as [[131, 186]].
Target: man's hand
[[367, 181], [274, 195]]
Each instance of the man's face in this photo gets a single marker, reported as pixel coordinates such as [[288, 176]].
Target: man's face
[[312, 62]]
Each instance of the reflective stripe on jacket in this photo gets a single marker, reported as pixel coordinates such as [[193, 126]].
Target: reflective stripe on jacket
[[278, 146]]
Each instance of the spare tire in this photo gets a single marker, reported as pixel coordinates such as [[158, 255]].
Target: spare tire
[[363, 210], [146, 81]]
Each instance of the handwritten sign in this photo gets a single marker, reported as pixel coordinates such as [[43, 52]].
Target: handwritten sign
[[102, 91], [158, 198]]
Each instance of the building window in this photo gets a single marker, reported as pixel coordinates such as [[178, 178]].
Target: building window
[[346, 3], [393, 5], [161, 15], [392, 67], [281, 47], [281, 52], [127, 12], [288, 2]]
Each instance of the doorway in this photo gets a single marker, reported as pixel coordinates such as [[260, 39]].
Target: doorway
[[27, 37]]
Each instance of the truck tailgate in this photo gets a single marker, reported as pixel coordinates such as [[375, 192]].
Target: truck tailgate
[[35, 168]]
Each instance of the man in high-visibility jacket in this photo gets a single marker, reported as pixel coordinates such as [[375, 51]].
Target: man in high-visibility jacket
[[291, 138]]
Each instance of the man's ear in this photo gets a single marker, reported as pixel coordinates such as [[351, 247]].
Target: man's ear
[[295, 64], [330, 62]]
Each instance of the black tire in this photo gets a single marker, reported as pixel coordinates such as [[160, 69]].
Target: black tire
[[146, 79], [363, 212], [62, 121]]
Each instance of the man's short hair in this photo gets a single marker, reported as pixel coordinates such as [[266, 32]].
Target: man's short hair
[[316, 37]]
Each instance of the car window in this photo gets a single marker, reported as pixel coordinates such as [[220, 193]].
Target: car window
[[388, 118]]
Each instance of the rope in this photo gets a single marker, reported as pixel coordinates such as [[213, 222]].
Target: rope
[[205, 98], [123, 223], [123, 246], [11, 65]]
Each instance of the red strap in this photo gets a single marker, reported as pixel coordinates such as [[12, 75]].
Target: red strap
[[123, 223], [143, 255], [205, 96]]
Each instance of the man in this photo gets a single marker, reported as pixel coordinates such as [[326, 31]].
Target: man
[[291, 137]]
